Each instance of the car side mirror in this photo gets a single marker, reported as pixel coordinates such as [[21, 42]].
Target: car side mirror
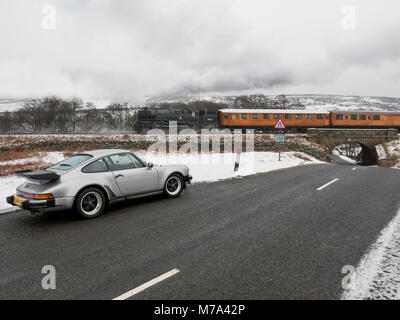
[[149, 165]]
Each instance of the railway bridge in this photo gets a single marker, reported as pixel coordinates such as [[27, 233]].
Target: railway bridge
[[367, 138]]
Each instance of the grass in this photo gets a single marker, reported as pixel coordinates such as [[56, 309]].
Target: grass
[[302, 157]]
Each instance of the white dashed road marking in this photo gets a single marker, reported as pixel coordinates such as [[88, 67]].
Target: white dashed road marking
[[327, 184], [147, 285]]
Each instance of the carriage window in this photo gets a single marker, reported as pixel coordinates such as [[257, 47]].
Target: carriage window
[[376, 117], [243, 116], [362, 117], [277, 116], [234, 117], [225, 116], [309, 117], [254, 116], [265, 116], [353, 117], [288, 116], [339, 117], [120, 161], [95, 166], [299, 116], [320, 117]]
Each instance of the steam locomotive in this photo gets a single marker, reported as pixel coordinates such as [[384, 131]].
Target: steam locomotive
[[147, 119]]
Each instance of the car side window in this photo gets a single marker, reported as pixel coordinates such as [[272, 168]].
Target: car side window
[[120, 161], [95, 166], [136, 162]]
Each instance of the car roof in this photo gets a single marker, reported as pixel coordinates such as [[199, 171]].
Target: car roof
[[103, 152]]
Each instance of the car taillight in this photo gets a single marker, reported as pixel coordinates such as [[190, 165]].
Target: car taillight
[[44, 196], [34, 195]]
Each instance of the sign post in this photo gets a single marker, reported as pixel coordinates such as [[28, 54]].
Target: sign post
[[236, 167], [279, 135]]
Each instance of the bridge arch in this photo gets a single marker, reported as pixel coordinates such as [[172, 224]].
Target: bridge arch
[[367, 156], [367, 138]]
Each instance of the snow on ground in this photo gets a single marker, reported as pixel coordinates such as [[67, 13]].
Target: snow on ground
[[394, 151], [7, 188], [12, 104], [219, 166], [203, 167], [344, 157], [378, 273], [44, 157]]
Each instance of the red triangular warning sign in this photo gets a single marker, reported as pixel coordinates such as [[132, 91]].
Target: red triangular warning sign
[[279, 125]]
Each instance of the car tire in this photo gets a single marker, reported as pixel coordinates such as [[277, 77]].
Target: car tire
[[90, 203], [173, 186]]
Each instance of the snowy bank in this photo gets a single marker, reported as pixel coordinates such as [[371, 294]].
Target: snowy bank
[[219, 166], [377, 276], [343, 157]]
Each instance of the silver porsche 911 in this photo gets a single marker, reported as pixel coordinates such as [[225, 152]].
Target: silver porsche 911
[[88, 181]]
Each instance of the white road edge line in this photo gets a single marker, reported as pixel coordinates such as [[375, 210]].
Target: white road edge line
[[147, 285], [329, 183], [377, 275]]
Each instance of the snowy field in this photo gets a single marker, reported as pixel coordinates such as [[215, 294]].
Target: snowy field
[[377, 276], [311, 102], [343, 157], [204, 168], [394, 151], [44, 157], [320, 102]]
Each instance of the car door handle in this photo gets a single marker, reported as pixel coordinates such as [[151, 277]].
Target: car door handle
[[119, 176]]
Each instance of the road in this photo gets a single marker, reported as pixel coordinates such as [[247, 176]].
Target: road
[[336, 159], [267, 236]]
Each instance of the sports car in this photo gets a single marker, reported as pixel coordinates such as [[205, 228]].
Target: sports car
[[87, 182]]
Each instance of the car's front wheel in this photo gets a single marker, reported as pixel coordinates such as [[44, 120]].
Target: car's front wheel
[[90, 203], [173, 186]]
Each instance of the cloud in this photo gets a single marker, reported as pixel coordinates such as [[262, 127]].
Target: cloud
[[135, 49]]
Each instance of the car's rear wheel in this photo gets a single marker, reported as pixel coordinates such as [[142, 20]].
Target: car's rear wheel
[[173, 186], [90, 203]]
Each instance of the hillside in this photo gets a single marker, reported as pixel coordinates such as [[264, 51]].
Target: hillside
[[314, 102], [308, 102]]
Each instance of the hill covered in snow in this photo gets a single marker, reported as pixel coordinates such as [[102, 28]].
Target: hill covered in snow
[[310, 102], [260, 101], [15, 104]]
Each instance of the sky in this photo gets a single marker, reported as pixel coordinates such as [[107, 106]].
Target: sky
[[138, 49]]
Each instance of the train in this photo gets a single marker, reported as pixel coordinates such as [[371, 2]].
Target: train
[[300, 120], [263, 120]]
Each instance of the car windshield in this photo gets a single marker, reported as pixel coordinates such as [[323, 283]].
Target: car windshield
[[71, 162]]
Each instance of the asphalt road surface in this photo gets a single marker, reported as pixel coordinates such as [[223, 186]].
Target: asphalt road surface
[[266, 236]]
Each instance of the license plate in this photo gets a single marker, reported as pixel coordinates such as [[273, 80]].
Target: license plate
[[18, 201]]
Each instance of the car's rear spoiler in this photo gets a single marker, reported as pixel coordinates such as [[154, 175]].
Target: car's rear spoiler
[[40, 177]]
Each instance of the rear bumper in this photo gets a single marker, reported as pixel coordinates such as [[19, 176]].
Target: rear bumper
[[188, 179], [30, 204]]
